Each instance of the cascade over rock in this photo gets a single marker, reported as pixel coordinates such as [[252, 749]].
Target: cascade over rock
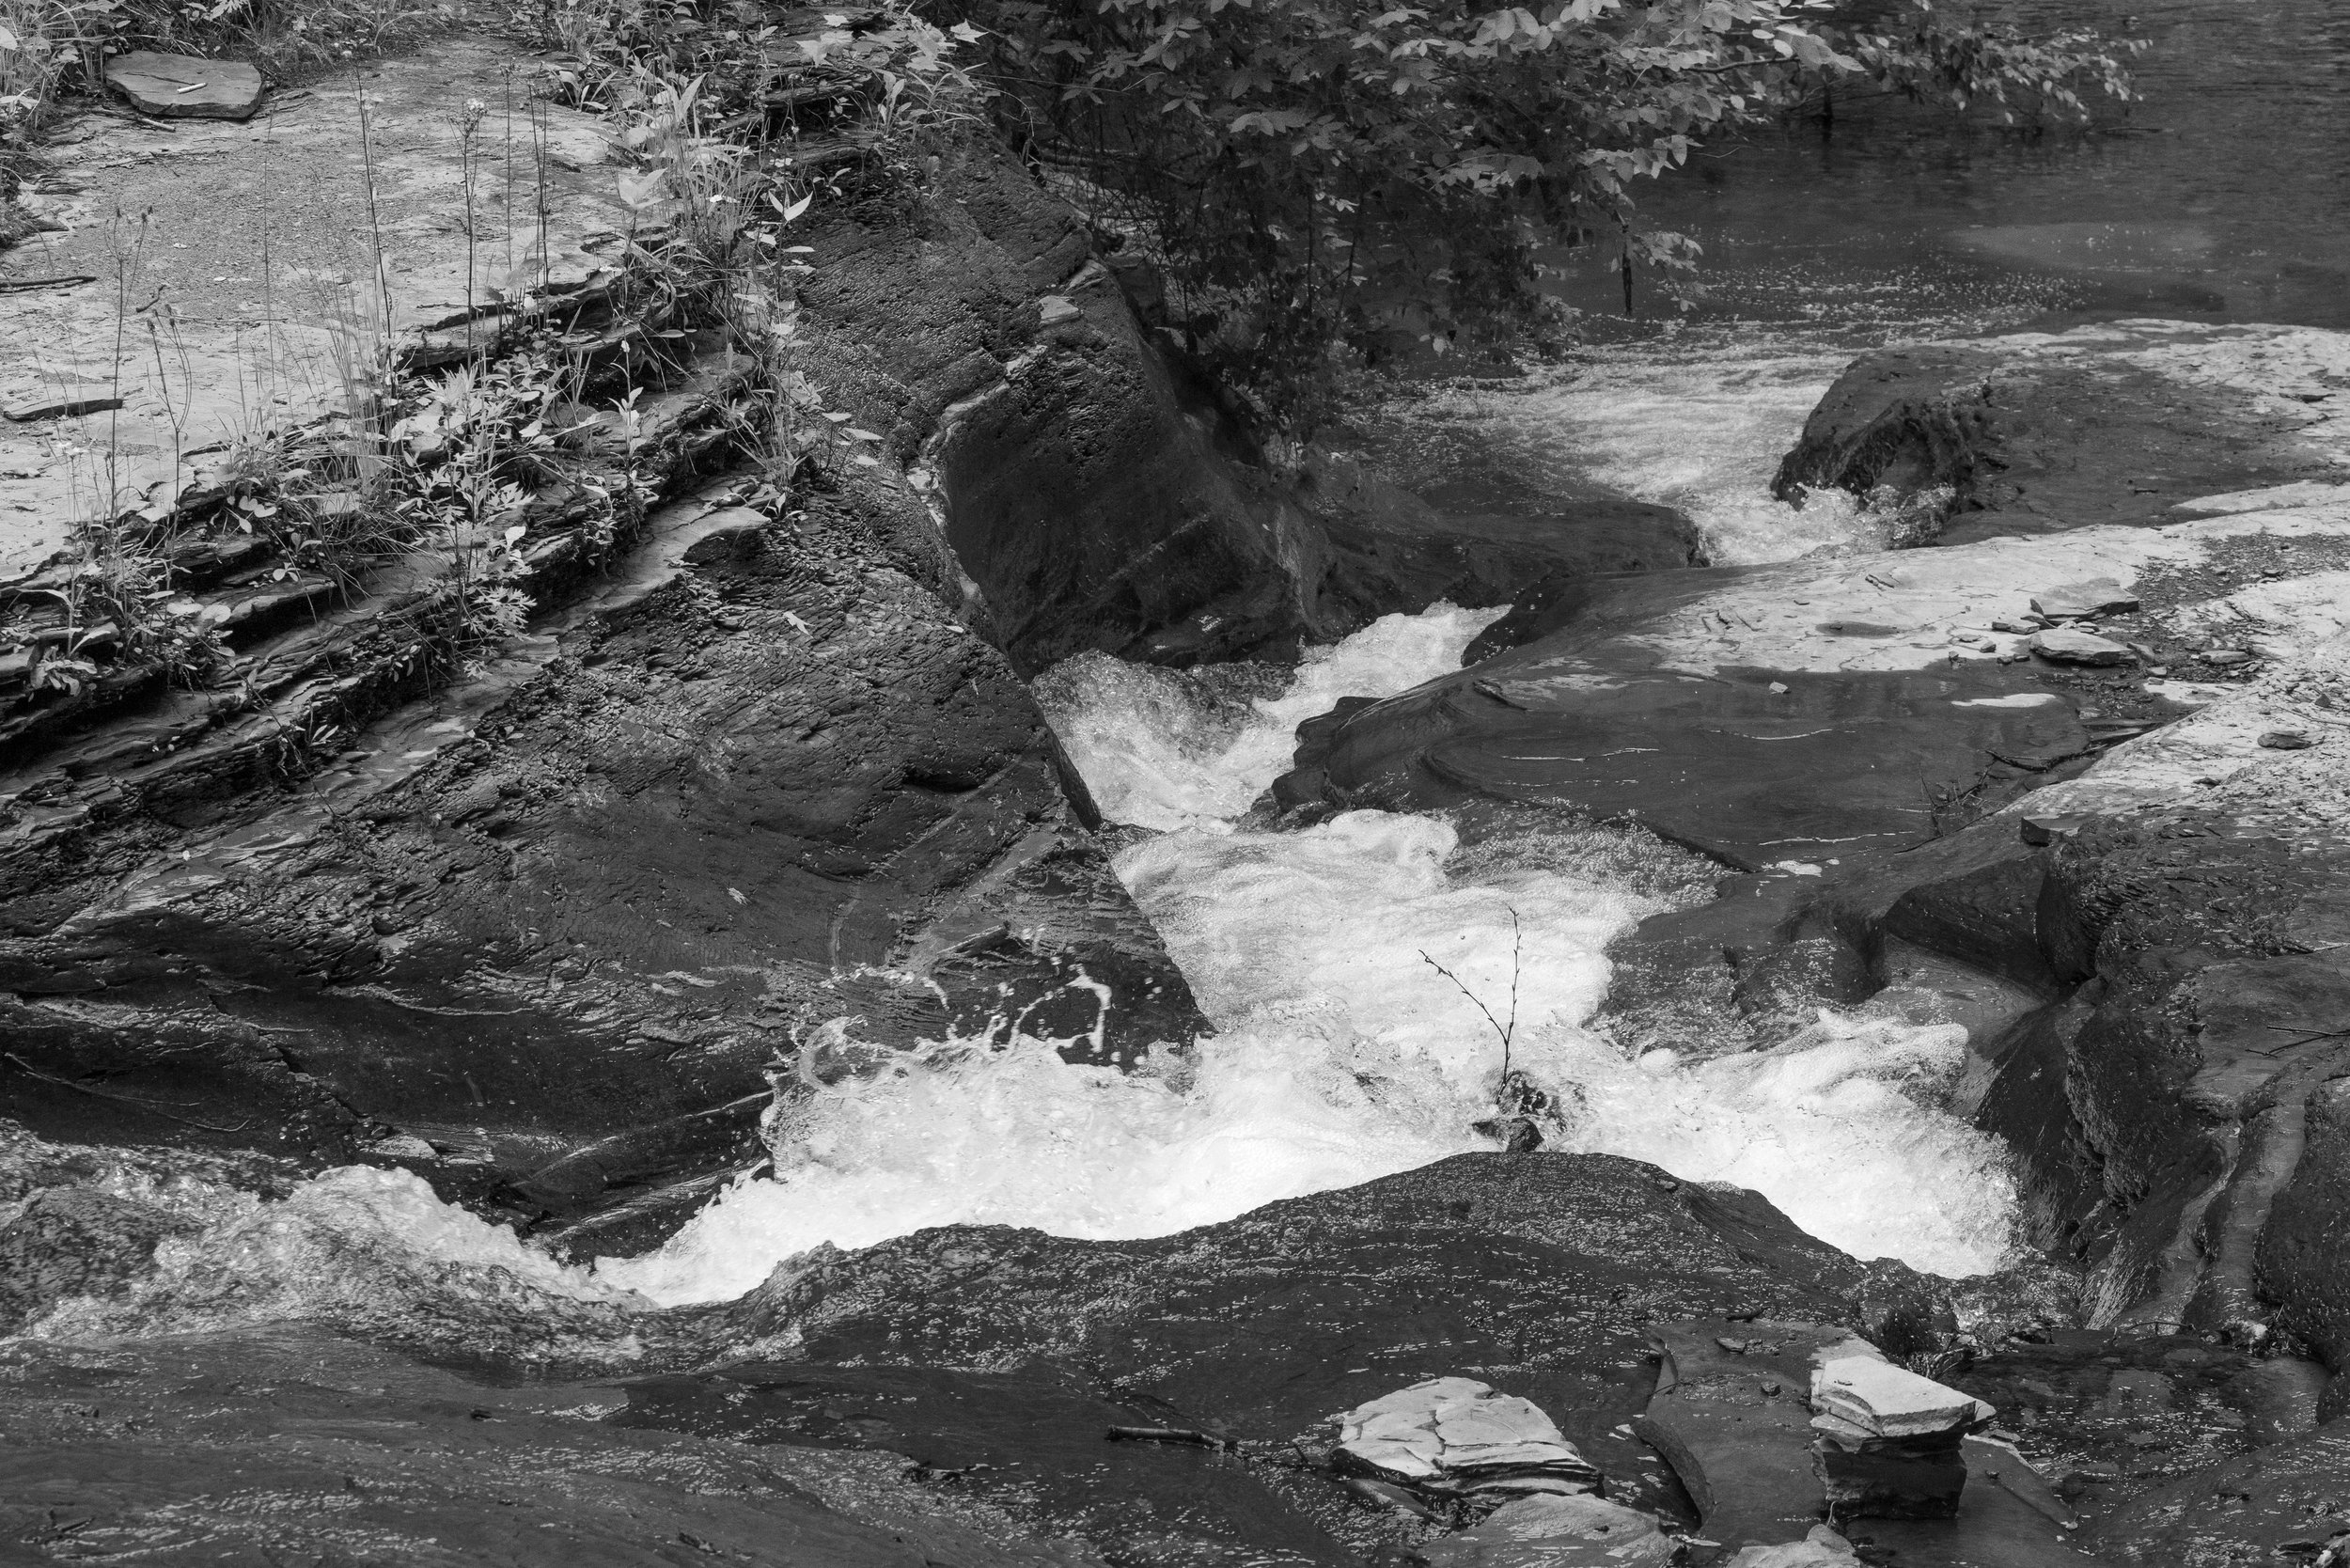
[[542, 932]]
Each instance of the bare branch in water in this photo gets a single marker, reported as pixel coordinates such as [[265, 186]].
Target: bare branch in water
[[1507, 1033]]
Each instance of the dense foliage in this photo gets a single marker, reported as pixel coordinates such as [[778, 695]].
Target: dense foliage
[[1320, 175]]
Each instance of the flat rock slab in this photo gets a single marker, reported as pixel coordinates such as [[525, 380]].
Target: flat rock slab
[[1457, 1429], [291, 1446], [2080, 648], [1540, 1270], [1809, 711], [1890, 1400], [2076, 600], [1035, 1444], [59, 402], [182, 87], [1729, 1416]]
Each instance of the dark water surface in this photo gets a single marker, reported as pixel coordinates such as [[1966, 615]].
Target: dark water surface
[[2223, 195]]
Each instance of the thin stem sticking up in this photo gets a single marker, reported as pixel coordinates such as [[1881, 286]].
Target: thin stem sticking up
[[1507, 1033]]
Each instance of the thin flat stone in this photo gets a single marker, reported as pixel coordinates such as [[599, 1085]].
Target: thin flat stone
[[1454, 1429], [1890, 1401], [2080, 648], [182, 87], [2098, 596], [59, 402]]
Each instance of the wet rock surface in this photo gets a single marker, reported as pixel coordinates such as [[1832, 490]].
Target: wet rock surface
[[2118, 423], [1242, 1325], [298, 1447], [542, 933], [629, 857], [1810, 711], [1255, 1346]]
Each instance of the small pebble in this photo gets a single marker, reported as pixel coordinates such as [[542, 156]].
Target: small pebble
[[2286, 740]]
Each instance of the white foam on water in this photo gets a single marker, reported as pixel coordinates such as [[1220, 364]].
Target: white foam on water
[[1341, 1053], [1340, 1057], [1699, 429], [1154, 754], [354, 1243]]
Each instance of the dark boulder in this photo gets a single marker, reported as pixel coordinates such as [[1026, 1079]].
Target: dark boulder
[[1100, 495], [2119, 423], [1539, 1270], [1537, 1273]]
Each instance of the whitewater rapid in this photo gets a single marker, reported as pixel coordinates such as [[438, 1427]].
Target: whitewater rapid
[[1340, 1052]]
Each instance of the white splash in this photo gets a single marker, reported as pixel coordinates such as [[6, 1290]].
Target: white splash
[[357, 1244], [1155, 755], [1701, 428], [1341, 1054]]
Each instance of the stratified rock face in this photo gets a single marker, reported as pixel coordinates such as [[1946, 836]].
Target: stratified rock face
[[557, 923], [182, 87], [1099, 498], [2173, 1095], [2118, 423]]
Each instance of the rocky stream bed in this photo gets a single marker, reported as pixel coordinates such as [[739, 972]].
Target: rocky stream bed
[[457, 1137]]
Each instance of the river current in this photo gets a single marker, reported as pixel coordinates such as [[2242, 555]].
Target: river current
[[1340, 1051]]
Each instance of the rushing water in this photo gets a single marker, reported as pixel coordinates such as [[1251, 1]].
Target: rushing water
[[1340, 1053]]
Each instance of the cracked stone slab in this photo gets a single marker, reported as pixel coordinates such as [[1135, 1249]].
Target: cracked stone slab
[[184, 86]]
